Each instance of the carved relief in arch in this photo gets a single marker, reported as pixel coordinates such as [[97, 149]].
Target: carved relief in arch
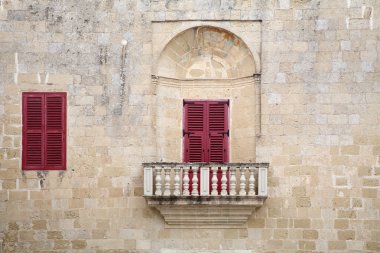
[[206, 52]]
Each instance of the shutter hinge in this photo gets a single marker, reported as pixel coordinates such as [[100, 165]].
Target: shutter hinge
[[187, 102], [223, 133], [184, 133], [224, 102]]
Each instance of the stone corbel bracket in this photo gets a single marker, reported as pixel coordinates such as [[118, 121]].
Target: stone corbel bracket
[[206, 211]]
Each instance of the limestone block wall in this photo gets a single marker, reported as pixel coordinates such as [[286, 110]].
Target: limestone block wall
[[319, 124]]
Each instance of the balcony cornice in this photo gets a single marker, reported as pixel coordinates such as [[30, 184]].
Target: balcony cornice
[[252, 201]]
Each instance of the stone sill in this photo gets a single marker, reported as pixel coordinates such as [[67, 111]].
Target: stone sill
[[206, 211]]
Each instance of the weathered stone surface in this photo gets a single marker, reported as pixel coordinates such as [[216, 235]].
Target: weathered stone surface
[[311, 111]]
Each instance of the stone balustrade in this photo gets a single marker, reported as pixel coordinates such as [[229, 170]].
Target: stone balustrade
[[203, 179]]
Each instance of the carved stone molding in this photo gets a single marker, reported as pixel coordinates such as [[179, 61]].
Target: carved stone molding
[[206, 83], [206, 211]]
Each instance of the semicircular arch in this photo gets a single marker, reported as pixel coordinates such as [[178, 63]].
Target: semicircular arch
[[206, 52]]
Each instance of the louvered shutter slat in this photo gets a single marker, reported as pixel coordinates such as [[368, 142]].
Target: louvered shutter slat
[[54, 149], [217, 149], [195, 149], [33, 149]]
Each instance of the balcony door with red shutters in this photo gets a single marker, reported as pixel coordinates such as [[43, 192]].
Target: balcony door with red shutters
[[206, 132]]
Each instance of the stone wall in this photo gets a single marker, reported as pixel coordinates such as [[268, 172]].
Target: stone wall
[[319, 125]]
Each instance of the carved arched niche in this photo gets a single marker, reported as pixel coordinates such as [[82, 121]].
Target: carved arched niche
[[206, 62]]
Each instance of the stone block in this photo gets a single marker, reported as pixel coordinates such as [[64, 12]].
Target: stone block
[[61, 244], [78, 244], [350, 150], [337, 245], [303, 202], [6, 37], [54, 235], [370, 182], [39, 224], [301, 223], [105, 244], [341, 202], [282, 223], [341, 223], [71, 214], [76, 203], [344, 214], [373, 245], [256, 223], [280, 234], [143, 244], [306, 245], [346, 235], [18, 195], [26, 235], [369, 193], [310, 234], [11, 184]]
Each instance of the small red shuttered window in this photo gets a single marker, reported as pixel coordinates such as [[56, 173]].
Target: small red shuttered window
[[44, 131], [206, 131]]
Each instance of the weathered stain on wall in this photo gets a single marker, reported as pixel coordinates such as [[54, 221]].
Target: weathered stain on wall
[[120, 103]]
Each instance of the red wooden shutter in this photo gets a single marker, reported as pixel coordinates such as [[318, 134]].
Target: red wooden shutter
[[33, 131], [218, 132], [194, 132], [55, 131], [44, 131]]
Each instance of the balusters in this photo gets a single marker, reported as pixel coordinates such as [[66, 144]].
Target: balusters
[[177, 191], [171, 179], [186, 181], [158, 191], [242, 191], [224, 181], [167, 181], [214, 181], [195, 192], [251, 181], [233, 181]]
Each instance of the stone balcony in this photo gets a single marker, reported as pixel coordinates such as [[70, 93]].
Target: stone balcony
[[205, 195]]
